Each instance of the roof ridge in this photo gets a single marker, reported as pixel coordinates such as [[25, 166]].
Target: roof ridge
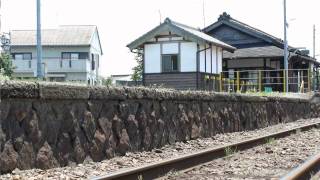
[[190, 27], [227, 17]]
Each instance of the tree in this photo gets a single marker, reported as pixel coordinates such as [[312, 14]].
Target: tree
[[6, 68], [138, 69], [106, 81]]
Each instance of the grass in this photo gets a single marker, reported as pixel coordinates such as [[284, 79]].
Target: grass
[[228, 151], [270, 141]]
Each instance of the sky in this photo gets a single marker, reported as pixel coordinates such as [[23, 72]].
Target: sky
[[122, 21]]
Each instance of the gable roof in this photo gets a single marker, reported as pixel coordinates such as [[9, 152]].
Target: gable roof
[[68, 35], [185, 31], [226, 19]]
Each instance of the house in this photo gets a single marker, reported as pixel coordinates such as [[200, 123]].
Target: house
[[124, 80], [70, 53], [179, 56], [258, 50]]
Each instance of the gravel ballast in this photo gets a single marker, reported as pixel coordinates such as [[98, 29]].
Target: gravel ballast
[[269, 161], [91, 169]]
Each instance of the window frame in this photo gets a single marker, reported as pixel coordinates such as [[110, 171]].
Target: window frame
[[178, 63], [22, 53], [78, 54]]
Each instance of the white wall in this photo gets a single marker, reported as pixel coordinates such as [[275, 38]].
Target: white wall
[[219, 60], [49, 52], [207, 59], [152, 58], [201, 60], [170, 48], [214, 60], [188, 57]]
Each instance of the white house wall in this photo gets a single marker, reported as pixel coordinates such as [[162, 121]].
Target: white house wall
[[208, 60], [202, 59], [152, 58], [95, 44], [188, 57], [170, 48], [205, 59], [49, 52], [214, 60], [219, 60]]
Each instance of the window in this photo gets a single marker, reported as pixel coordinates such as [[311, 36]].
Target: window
[[22, 56], [74, 55], [170, 63]]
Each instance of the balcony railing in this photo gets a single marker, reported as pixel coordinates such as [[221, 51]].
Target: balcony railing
[[53, 65]]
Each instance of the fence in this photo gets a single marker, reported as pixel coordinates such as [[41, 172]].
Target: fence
[[299, 80]]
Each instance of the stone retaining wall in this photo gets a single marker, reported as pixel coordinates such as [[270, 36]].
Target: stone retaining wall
[[50, 125]]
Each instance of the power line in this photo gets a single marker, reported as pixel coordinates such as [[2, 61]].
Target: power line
[[203, 14]]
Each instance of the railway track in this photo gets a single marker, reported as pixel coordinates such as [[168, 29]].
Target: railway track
[[305, 170], [159, 169]]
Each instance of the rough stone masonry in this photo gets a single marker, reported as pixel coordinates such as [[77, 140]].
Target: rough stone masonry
[[50, 125]]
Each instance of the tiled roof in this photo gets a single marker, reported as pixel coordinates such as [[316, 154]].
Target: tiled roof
[[265, 51], [72, 35], [228, 20]]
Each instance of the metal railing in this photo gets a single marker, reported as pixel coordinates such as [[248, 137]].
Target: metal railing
[[299, 80]]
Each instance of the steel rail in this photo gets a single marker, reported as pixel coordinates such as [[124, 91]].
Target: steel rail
[[305, 170], [158, 169]]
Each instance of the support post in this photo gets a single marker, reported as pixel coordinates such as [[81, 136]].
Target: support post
[[220, 80], [284, 81], [238, 81], [260, 80], [309, 80]]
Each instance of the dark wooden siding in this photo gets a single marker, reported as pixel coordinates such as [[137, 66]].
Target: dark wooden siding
[[180, 81], [236, 38]]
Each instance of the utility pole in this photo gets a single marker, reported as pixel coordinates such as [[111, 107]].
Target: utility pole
[[285, 45], [314, 41], [39, 47]]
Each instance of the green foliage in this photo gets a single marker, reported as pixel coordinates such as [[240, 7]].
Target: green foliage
[[229, 151], [270, 141], [106, 81], [6, 68], [138, 70]]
